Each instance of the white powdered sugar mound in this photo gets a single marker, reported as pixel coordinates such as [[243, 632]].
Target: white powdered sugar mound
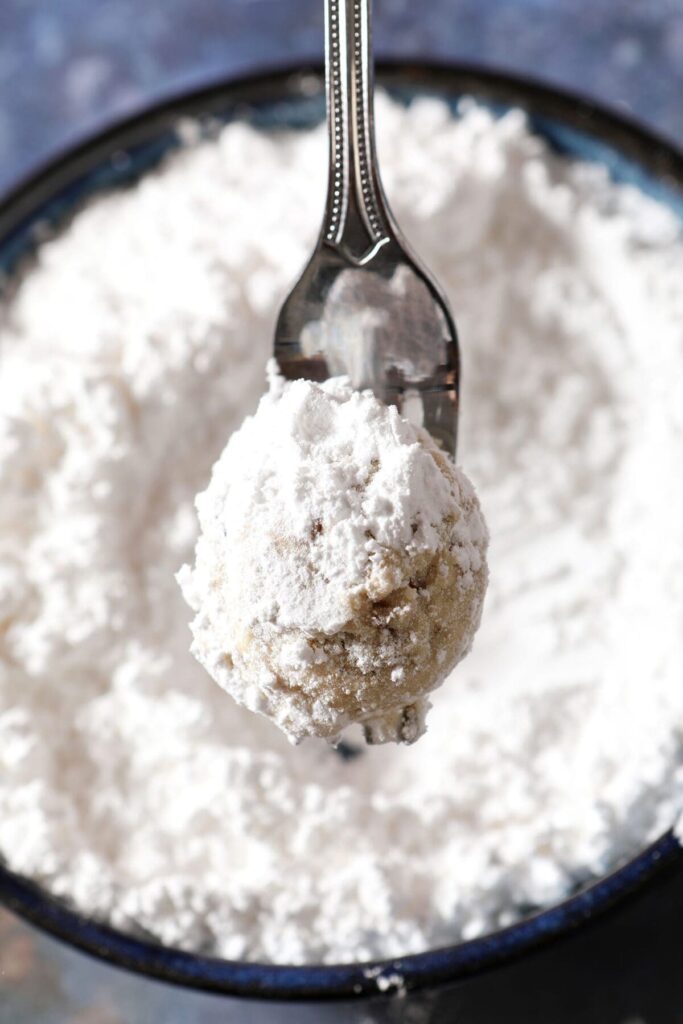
[[128, 781], [341, 567]]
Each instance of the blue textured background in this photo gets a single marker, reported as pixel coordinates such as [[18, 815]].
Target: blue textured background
[[68, 65]]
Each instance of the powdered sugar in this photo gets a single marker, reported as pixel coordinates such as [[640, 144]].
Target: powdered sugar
[[340, 570], [127, 780]]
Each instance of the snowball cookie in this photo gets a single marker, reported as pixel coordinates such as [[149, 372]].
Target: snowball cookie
[[341, 567]]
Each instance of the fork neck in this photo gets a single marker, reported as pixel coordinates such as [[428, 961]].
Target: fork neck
[[356, 219]]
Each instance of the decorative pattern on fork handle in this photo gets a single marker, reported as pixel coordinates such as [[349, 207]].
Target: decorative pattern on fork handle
[[355, 208]]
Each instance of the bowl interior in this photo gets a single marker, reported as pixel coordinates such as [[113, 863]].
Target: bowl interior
[[119, 157]]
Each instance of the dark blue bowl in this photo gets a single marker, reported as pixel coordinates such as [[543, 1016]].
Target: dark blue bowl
[[438, 980]]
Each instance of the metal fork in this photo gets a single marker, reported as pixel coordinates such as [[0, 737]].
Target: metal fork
[[364, 306]]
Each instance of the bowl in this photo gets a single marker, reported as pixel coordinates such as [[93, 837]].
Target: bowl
[[505, 972]]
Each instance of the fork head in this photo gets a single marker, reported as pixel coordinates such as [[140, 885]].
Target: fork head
[[378, 318]]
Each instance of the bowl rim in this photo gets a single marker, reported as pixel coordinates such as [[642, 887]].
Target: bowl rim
[[659, 155], [662, 160]]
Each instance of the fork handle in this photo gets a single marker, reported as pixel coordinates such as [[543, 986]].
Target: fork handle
[[356, 219]]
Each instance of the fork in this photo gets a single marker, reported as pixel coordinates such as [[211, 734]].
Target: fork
[[364, 305]]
